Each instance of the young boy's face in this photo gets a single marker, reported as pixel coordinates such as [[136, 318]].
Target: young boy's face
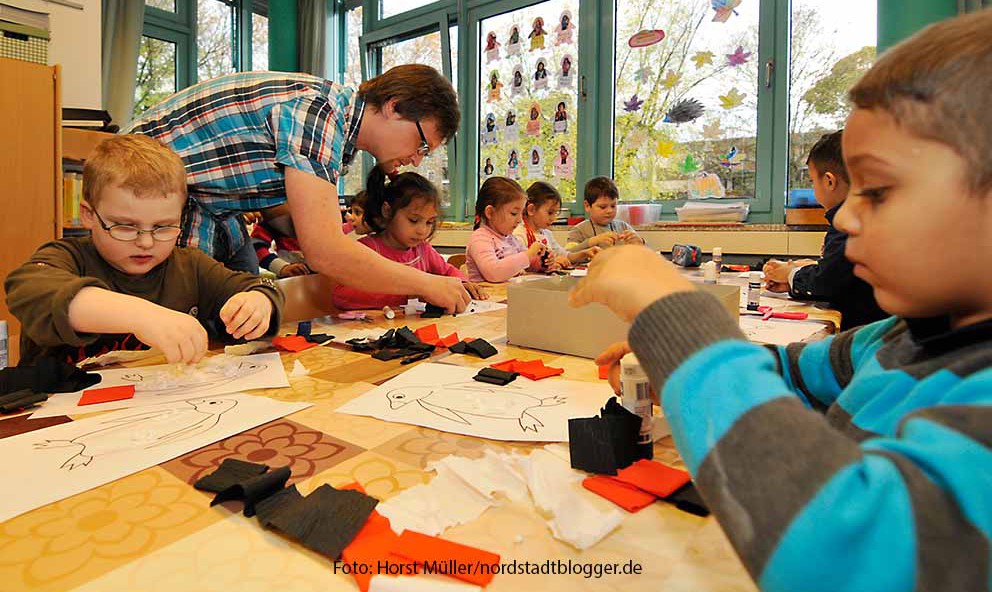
[[120, 206], [917, 234], [603, 210]]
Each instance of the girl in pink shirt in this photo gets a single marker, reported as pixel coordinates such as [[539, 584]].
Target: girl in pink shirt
[[493, 253], [407, 211]]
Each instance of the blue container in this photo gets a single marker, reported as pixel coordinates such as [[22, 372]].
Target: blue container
[[801, 198]]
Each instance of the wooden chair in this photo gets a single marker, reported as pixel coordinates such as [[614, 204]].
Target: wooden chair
[[307, 297], [458, 260]]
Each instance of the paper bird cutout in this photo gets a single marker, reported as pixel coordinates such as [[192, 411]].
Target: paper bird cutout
[[665, 149], [671, 79], [739, 57], [702, 58], [728, 159], [684, 111], [632, 104], [724, 8], [732, 99]]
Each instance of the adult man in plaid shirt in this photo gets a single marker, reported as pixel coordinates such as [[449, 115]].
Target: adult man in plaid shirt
[[253, 140]]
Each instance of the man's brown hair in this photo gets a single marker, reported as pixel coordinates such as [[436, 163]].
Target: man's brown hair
[[937, 85], [140, 164], [421, 93], [598, 186]]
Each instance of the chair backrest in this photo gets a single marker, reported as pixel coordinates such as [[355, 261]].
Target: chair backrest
[[307, 297], [458, 259]]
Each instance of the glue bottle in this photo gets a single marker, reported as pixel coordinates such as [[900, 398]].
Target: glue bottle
[[718, 261], [754, 290], [635, 394], [3, 344]]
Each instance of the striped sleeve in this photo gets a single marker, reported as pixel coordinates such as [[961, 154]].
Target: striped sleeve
[[309, 135], [806, 507]]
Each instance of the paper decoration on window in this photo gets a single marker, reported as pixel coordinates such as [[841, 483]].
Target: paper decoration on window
[[632, 104], [665, 149], [724, 8], [537, 34], [560, 125], [689, 165], [671, 79], [513, 164], [646, 38], [488, 169], [566, 75], [564, 163], [534, 121], [535, 166], [644, 74], [732, 99], [517, 85], [489, 129], [729, 160], [704, 185], [494, 86], [511, 131], [565, 28], [541, 74], [712, 130], [684, 111], [739, 57], [513, 42], [702, 58], [636, 138], [492, 47]]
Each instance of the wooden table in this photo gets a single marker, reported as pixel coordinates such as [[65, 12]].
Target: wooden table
[[154, 531]]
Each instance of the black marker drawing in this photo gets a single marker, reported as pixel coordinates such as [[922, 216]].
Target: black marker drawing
[[455, 401], [145, 429], [192, 382]]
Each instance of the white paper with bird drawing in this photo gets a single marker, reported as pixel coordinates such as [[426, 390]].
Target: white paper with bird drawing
[[54, 463], [153, 385], [446, 398]]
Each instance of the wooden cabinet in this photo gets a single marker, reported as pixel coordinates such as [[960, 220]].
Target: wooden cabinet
[[30, 168]]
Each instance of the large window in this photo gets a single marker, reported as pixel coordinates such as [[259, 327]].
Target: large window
[[685, 98], [394, 7], [156, 78], [215, 39]]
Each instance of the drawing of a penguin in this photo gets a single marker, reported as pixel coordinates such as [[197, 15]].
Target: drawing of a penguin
[[207, 377], [455, 401]]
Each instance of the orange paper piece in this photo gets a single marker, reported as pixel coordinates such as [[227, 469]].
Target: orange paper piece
[[428, 334], [506, 366], [604, 372], [106, 394], [373, 543], [453, 558], [292, 343], [653, 477], [626, 496], [449, 340], [532, 369]]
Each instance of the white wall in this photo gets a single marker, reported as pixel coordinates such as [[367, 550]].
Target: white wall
[[76, 45]]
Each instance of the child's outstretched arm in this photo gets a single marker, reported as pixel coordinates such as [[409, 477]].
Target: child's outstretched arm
[[493, 269], [248, 306]]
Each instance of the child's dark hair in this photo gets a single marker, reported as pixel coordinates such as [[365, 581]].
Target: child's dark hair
[[360, 199], [495, 192], [598, 186], [398, 193], [827, 156], [540, 193]]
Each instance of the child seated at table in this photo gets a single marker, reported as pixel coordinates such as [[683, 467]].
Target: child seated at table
[[127, 286], [403, 216], [493, 254], [831, 278], [601, 228], [862, 461], [355, 218], [543, 205]]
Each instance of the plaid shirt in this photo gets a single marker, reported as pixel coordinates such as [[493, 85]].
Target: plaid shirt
[[235, 134]]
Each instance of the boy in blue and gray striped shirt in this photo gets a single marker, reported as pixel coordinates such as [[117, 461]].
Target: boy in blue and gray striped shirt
[[864, 461]]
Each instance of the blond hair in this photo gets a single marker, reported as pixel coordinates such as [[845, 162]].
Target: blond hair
[[134, 162], [937, 85]]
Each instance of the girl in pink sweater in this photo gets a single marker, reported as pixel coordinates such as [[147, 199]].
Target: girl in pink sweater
[[403, 218], [493, 253]]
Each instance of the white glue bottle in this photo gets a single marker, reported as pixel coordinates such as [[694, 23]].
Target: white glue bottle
[[754, 290], [718, 261], [3, 345], [635, 394]]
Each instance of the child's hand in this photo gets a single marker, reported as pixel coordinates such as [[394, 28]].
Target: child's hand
[[603, 240], [611, 357], [178, 335], [588, 254], [536, 250], [629, 237], [563, 261], [246, 314], [293, 269], [627, 279], [475, 291]]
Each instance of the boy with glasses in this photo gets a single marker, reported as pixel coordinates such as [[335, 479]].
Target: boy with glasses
[[127, 286]]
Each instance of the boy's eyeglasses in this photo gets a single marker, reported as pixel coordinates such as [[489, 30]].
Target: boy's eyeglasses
[[424, 149], [128, 233]]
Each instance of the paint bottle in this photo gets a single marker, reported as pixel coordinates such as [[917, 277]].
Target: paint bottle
[[3, 344], [635, 394], [718, 261], [754, 290], [709, 272]]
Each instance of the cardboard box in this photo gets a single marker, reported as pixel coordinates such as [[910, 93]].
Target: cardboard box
[[538, 316]]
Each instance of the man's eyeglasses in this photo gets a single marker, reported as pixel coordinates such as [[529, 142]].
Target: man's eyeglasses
[[128, 233], [424, 149]]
